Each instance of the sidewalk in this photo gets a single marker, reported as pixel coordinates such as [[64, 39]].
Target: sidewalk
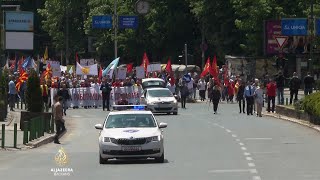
[[298, 121], [12, 118]]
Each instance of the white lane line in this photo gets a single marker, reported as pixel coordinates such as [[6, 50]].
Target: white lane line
[[238, 140], [253, 171], [233, 135], [229, 131], [258, 139], [233, 171], [241, 144], [249, 158], [251, 165], [222, 127], [265, 152], [246, 154], [256, 178], [75, 116], [244, 148]]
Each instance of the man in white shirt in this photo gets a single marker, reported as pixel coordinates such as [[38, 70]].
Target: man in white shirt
[[172, 88], [190, 87], [202, 89]]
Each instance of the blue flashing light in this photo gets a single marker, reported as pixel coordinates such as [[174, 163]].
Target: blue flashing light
[[139, 107]]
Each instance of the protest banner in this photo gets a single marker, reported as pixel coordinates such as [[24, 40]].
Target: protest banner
[[154, 67], [55, 67], [92, 96], [140, 72], [122, 73]]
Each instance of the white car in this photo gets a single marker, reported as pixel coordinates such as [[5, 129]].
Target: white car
[[131, 134], [159, 100]]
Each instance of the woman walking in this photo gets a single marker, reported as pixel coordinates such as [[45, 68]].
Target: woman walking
[[258, 94], [210, 85], [216, 95]]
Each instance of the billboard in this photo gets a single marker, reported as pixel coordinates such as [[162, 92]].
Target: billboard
[[19, 41], [294, 44], [294, 27], [130, 22], [18, 21], [102, 22]]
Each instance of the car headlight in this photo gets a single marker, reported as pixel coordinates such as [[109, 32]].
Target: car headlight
[[151, 102], [106, 139], [153, 139]]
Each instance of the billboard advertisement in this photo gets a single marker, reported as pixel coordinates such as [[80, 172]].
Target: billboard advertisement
[[294, 44], [19, 41], [18, 21]]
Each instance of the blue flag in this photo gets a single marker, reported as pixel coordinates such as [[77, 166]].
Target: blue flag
[[109, 70], [27, 63]]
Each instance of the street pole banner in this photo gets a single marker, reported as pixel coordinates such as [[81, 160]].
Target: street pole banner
[[122, 73], [92, 96]]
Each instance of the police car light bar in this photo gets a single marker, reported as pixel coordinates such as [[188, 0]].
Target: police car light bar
[[129, 107]]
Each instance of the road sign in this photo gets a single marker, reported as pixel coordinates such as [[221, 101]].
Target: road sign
[[128, 22], [281, 40], [317, 27], [294, 27], [102, 22]]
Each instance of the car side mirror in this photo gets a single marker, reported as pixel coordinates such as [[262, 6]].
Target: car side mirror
[[98, 126], [163, 125]]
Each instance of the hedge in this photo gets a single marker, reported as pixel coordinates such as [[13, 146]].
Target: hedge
[[311, 104]]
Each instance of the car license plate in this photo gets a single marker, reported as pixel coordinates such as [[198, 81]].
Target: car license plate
[[131, 148]]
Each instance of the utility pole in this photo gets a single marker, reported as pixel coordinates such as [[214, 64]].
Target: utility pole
[[311, 60], [115, 21], [186, 56], [202, 46], [67, 33]]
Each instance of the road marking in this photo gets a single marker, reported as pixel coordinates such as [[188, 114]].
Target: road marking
[[243, 148], [265, 152], [229, 131], [251, 165], [222, 127], [76, 116], [233, 135], [256, 178], [238, 140], [258, 139], [241, 144], [233, 171], [253, 171], [249, 158], [246, 154]]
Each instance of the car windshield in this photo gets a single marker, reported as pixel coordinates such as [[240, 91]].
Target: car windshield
[[130, 120], [160, 93], [153, 84]]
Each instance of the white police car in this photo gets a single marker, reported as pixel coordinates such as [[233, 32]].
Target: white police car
[[131, 134]]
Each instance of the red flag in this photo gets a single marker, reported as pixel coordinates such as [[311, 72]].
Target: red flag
[[145, 62], [77, 58], [206, 68], [170, 72], [100, 75], [129, 67], [215, 70], [23, 77], [48, 72]]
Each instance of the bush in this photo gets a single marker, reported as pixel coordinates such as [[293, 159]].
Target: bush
[[298, 105], [311, 104], [33, 93], [4, 85]]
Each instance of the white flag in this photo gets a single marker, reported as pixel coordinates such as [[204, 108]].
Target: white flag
[[108, 71], [87, 70]]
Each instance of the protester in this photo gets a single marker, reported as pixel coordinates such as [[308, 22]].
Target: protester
[[59, 121], [184, 92], [280, 80], [240, 97], [258, 94], [106, 90], [294, 86], [12, 93], [202, 89], [271, 94], [249, 93], [308, 84], [216, 96], [230, 93], [171, 87], [210, 85], [64, 93], [45, 94]]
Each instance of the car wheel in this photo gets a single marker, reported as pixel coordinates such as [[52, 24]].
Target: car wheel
[[160, 159], [175, 113], [168, 113], [102, 160]]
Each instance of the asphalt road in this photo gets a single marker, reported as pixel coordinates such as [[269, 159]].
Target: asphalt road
[[198, 145]]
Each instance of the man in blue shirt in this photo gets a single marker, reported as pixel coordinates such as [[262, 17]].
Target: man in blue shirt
[[12, 93], [248, 94]]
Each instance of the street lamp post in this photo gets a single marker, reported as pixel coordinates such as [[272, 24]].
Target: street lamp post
[[67, 34], [115, 21], [186, 56], [311, 37]]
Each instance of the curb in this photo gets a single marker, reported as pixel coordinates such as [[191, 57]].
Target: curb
[[43, 141], [300, 122]]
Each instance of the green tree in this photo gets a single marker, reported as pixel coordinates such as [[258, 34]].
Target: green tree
[[33, 93]]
